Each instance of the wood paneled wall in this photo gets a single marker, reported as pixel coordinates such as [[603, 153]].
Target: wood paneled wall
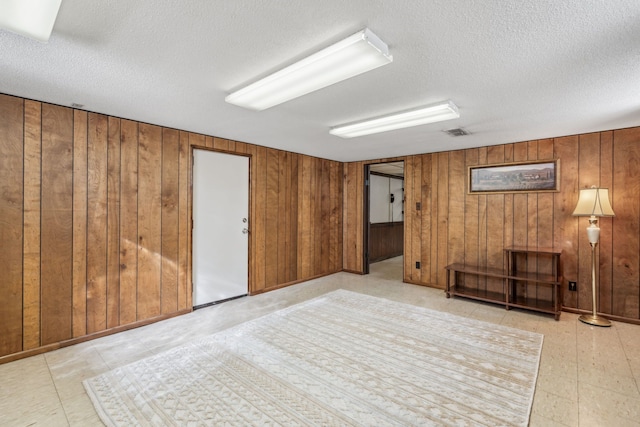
[[453, 226], [296, 208], [386, 240], [353, 218], [95, 222]]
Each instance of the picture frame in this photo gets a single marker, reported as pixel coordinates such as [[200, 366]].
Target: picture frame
[[516, 177]]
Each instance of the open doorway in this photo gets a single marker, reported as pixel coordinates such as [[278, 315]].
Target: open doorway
[[384, 219]]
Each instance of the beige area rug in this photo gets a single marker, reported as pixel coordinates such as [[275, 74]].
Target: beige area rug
[[341, 359]]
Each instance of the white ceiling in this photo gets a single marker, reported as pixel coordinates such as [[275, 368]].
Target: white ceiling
[[518, 70]]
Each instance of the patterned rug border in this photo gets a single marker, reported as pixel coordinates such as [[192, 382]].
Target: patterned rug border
[[446, 317]]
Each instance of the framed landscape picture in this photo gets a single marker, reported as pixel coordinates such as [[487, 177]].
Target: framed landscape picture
[[540, 175]]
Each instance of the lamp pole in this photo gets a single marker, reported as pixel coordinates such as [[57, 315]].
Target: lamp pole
[[593, 232]]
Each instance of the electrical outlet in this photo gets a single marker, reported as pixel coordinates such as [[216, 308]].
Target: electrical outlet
[[573, 286], [418, 264]]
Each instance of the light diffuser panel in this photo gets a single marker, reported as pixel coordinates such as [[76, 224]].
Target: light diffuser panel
[[356, 54]]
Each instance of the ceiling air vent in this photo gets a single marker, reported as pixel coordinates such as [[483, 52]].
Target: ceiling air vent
[[456, 132]]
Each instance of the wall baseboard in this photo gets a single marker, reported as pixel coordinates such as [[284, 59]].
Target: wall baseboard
[[55, 346], [427, 285], [608, 316], [295, 282]]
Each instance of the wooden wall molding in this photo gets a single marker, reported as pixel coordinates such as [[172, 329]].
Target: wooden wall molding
[[66, 343], [387, 175]]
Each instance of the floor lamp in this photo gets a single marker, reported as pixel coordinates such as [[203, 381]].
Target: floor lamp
[[594, 202]]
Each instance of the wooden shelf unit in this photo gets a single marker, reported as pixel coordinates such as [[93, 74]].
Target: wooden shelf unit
[[520, 288]]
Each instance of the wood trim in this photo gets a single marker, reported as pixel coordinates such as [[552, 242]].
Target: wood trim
[[217, 150], [353, 271], [88, 337], [428, 285], [386, 175], [386, 224], [293, 282]]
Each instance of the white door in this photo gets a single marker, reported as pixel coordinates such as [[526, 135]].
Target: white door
[[220, 226]]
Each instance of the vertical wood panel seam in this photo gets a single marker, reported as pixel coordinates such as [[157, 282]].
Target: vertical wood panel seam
[[277, 221], [161, 284], [263, 208], [434, 212], [438, 260], [40, 239], [553, 199], [513, 202], [610, 198], [178, 204], [137, 244], [177, 220], [119, 218], [120, 222], [414, 215], [40, 248], [73, 181], [86, 234], [106, 232], [611, 190], [120, 226], [578, 219], [24, 127]]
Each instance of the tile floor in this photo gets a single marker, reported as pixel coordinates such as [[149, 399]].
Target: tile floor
[[588, 376]]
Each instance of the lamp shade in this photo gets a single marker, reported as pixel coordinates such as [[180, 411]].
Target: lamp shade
[[593, 202]]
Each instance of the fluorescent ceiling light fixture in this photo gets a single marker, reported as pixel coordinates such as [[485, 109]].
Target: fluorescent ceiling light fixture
[[419, 116], [361, 52], [29, 18]]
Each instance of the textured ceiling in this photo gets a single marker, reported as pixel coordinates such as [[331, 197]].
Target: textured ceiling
[[518, 70]]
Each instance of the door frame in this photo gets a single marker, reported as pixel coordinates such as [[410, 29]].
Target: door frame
[[190, 213], [366, 219]]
